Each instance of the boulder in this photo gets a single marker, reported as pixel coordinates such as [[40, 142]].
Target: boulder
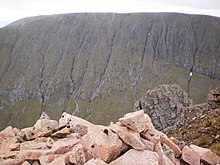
[[102, 143], [45, 124], [190, 156], [62, 133], [7, 142], [207, 157], [136, 121], [7, 132], [95, 161], [45, 133], [128, 136], [26, 134], [132, 157], [214, 98], [62, 146], [69, 120], [165, 105]]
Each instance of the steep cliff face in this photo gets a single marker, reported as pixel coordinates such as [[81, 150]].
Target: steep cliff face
[[97, 65]]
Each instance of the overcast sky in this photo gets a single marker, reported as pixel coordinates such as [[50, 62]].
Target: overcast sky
[[12, 10]]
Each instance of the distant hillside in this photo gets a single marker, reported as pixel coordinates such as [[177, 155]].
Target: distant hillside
[[97, 65]]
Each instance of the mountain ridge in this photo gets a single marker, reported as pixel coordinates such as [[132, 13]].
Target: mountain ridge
[[100, 61]]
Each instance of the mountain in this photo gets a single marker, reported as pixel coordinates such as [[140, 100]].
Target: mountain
[[97, 66]]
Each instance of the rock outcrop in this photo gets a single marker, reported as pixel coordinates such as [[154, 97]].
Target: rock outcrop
[[87, 63], [165, 105], [214, 98], [133, 140], [201, 124]]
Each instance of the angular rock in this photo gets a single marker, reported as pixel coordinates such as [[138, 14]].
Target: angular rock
[[7, 132], [81, 129], [62, 133], [33, 145], [5, 146], [128, 136], [63, 146], [132, 157], [152, 135], [27, 133], [59, 160], [148, 145], [79, 155], [11, 159], [190, 156], [163, 159], [136, 121], [102, 143], [45, 133], [165, 105], [180, 144], [14, 146], [95, 161], [45, 124], [165, 140], [206, 156], [32, 154], [72, 121]]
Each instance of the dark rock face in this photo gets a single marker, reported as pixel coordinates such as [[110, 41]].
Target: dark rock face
[[165, 104], [97, 65]]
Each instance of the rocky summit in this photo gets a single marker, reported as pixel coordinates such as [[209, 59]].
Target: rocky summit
[[165, 104], [132, 140], [97, 65]]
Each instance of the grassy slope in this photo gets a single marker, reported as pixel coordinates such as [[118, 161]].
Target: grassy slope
[[201, 127]]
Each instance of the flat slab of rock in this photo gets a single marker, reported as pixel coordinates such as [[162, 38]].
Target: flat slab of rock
[[206, 156], [128, 136], [133, 157], [136, 121], [72, 121], [102, 143], [63, 146], [190, 156]]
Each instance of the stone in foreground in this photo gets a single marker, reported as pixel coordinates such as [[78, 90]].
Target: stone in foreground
[[132, 157]]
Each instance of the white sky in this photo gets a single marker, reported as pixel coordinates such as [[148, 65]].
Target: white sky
[[12, 10]]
